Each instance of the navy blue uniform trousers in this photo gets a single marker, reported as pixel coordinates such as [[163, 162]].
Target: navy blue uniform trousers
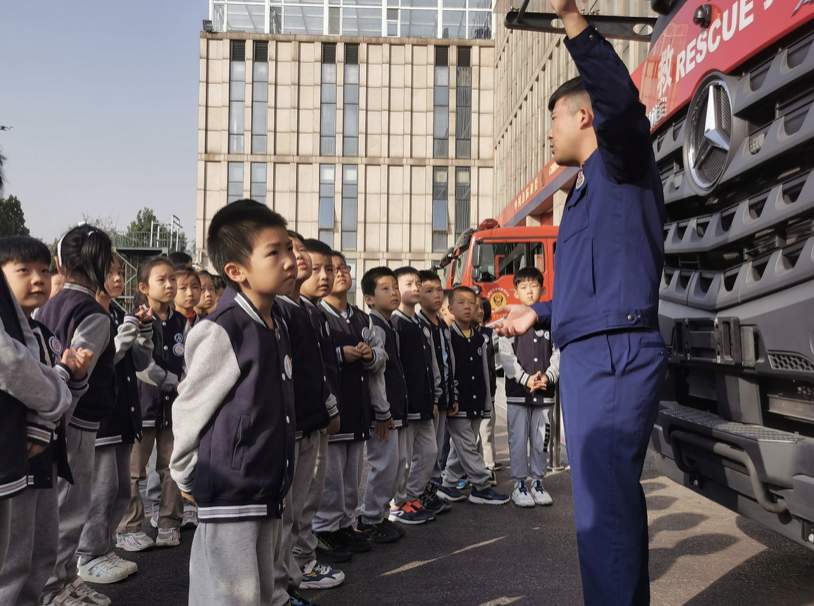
[[610, 385]]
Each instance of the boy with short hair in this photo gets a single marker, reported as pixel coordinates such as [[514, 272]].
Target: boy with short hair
[[420, 445], [187, 293], [431, 299], [358, 352], [34, 515], [531, 364], [316, 406], [233, 419], [472, 373], [388, 392]]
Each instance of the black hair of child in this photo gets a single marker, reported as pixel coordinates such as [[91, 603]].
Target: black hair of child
[[86, 252], [295, 235], [179, 259], [312, 245], [23, 249], [528, 273], [372, 277], [407, 270], [427, 275], [458, 289], [487, 310], [232, 231]]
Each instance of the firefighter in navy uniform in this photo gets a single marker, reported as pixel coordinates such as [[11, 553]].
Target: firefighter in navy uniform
[[604, 312]]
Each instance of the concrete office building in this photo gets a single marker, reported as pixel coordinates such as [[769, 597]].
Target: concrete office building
[[366, 124], [530, 66]]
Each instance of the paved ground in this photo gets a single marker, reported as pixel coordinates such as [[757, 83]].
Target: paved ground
[[701, 554]]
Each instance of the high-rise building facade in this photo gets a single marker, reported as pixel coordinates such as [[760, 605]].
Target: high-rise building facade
[[367, 125]]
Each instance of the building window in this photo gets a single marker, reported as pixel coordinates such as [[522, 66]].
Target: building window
[[462, 197], [463, 104], [258, 183], [392, 22], [440, 219], [234, 188], [237, 95], [350, 90], [260, 96], [440, 104], [326, 203], [350, 197], [327, 108]]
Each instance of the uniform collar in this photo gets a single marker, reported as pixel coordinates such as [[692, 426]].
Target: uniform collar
[[457, 330], [401, 314], [79, 288], [243, 302], [335, 312], [288, 300], [378, 314]]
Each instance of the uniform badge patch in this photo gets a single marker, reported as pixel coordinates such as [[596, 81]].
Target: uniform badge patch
[[365, 334], [178, 349], [287, 366], [179, 337], [55, 345]]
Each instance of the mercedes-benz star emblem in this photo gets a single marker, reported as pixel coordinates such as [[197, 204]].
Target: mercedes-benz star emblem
[[710, 134]]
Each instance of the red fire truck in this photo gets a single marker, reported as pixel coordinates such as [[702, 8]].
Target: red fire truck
[[729, 89]]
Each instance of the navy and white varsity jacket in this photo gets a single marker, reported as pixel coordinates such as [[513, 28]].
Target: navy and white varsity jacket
[[312, 395], [33, 397], [420, 367], [134, 352], [159, 381], [524, 356], [350, 328], [444, 356], [233, 420], [472, 372], [319, 322], [78, 320], [395, 385]]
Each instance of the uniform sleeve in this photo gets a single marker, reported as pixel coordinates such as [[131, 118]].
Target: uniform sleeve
[[437, 379], [620, 120], [212, 371], [125, 337], [487, 376], [511, 365], [543, 311], [93, 333], [377, 385], [456, 397], [553, 370], [492, 355], [376, 343], [142, 351]]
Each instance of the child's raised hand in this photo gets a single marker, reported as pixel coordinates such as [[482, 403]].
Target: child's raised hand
[[350, 353], [78, 361], [144, 314]]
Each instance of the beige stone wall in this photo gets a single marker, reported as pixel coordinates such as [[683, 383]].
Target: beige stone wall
[[529, 67], [395, 140]]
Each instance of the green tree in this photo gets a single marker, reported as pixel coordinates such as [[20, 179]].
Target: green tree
[[143, 222], [12, 218]]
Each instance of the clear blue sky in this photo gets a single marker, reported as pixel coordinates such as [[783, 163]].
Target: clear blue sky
[[103, 99]]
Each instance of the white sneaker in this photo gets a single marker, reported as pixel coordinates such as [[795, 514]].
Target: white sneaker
[[321, 576], [86, 595], [64, 598], [134, 541], [190, 518], [541, 497], [130, 566], [168, 537], [102, 570], [521, 496]]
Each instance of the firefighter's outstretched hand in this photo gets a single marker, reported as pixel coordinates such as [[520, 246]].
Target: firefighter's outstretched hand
[[518, 321]]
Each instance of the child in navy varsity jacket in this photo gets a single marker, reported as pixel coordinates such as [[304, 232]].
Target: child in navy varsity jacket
[[33, 522], [419, 448], [531, 364], [234, 418], [98, 563], [483, 315], [431, 299], [85, 256], [158, 384], [388, 394], [316, 406], [469, 346], [359, 352]]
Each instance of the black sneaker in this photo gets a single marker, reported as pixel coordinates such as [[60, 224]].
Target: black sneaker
[[487, 496], [295, 599], [355, 542], [434, 504], [451, 494], [380, 533], [331, 549], [397, 527]]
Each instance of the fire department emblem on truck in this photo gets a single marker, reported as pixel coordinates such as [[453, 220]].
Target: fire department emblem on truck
[[498, 299]]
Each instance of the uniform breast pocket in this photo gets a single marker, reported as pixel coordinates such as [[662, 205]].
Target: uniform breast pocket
[[574, 222]]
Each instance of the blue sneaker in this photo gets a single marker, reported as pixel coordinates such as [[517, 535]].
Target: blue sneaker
[[487, 496], [451, 494], [461, 484]]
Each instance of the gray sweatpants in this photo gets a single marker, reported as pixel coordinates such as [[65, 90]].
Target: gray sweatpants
[[34, 533], [383, 469], [440, 435], [305, 543], [232, 564], [487, 439], [289, 571], [465, 458], [110, 497], [340, 496], [529, 431], [74, 504], [419, 461]]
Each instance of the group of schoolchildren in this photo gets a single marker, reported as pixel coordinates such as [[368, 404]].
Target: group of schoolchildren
[[290, 426]]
